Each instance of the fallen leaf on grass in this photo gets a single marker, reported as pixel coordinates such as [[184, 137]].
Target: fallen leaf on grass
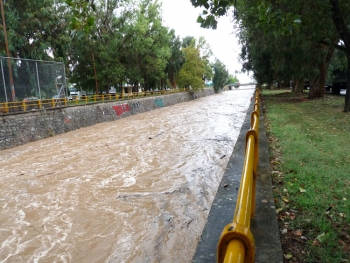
[[292, 216], [298, 233], [302, 190], [321, 237], [315, 243], [288, 255], [286, 200]]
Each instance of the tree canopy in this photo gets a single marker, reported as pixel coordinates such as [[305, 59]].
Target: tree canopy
[[107, 43], [287, 41]]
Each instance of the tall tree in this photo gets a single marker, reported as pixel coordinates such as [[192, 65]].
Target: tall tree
[[34, 28], [221, 75], [192, 72], [280, 18], [176, 60]]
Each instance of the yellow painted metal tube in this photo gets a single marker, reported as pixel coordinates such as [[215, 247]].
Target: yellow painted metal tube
[[236, 244], [235, 251], [243, 207]]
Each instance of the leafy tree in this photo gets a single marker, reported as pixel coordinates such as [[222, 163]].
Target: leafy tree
[[232, 79], [193, 70], [176, 60], [81, 16], [34, 28], [221, 75], [148, 51], [281, 19], [100, 49]]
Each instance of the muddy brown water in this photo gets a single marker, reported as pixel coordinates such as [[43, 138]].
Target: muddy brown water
[[138, 189]]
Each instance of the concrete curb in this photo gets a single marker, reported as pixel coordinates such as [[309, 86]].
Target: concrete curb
[[264, 226]]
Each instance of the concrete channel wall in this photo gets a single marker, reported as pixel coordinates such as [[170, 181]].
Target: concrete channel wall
[[31, 126]]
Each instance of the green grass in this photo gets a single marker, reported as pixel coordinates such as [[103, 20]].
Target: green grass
[[310, 158]]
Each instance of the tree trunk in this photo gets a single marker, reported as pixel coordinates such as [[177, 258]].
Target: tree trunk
[[298, 86], [344, 34], [347, 95], [317, 86]]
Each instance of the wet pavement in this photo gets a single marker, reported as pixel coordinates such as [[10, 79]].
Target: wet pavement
[[138, 189]]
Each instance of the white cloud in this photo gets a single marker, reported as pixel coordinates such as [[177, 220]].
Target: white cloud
[[181, 16]]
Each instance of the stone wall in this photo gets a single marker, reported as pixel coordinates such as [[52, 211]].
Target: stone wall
[[35, 125]]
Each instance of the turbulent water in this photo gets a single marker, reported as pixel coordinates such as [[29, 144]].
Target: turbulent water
[[138, 189]]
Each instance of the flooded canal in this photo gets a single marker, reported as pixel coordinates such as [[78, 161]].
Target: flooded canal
[[138, 189]]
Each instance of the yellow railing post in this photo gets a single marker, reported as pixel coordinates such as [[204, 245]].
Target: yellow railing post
[[24, 105]]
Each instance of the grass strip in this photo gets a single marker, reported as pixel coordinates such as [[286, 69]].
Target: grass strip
[[310, 161]]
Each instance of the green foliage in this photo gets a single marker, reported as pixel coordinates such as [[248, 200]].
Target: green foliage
[[176, 60], [221, 76], [82, 19], [285, 40], [104, 42], [193, 70], [232, 79], [132, 47], [34, 28]]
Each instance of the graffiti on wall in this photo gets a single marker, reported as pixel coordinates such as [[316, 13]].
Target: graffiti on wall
[[159, 102], [136, 105], [120, 109]]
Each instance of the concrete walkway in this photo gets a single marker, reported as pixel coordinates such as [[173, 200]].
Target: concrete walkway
[[264, 225]]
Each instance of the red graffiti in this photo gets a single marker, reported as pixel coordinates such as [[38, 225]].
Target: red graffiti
[[120, 109]]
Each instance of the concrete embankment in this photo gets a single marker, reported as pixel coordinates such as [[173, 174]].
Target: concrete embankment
[[31, 126]]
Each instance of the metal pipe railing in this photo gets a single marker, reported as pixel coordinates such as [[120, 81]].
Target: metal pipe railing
[[27, 105], [236, 244]]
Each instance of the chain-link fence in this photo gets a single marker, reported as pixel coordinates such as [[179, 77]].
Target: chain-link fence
[[25, 79]]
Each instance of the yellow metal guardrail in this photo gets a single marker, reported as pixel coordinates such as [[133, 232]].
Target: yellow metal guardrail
[[36, 104], [236, 244]]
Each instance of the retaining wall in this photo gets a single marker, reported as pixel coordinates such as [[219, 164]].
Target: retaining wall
[[35, 125]]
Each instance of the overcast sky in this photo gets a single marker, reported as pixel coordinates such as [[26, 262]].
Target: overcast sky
[[181, 16]]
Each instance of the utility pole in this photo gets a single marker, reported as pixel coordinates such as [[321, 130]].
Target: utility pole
[[7, 52]]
